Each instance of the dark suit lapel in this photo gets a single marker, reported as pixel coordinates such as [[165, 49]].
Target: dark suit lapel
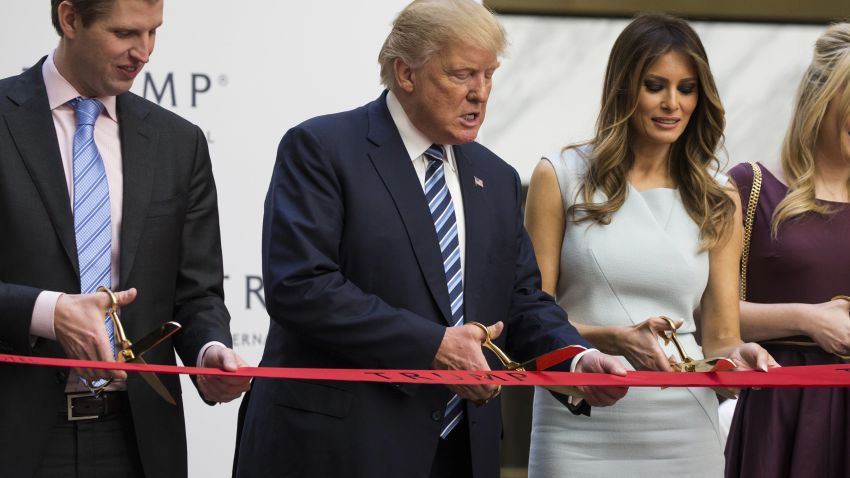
[[32, 129], [391, 161], [138, 145], [474, 206]]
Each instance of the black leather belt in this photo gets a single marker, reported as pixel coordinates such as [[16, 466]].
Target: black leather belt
[[85, 406]]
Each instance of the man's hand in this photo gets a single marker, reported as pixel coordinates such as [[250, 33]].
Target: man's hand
[[461, 350], [597, 362], [222, 389], [78, 321]]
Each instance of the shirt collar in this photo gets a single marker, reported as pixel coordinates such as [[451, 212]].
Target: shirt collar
[[60, 92], [414, 140]]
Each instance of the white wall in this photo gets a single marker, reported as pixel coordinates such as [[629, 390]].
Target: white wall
[[270, 65]]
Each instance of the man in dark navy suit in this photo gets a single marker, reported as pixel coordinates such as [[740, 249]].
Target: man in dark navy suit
[[387, 230]]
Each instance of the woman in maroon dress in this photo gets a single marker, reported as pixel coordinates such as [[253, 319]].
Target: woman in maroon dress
[[799, 260]]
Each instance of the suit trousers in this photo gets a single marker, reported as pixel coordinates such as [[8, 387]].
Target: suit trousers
[[101, 447]]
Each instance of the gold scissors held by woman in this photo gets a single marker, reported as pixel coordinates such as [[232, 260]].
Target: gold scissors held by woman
[[716, 364]]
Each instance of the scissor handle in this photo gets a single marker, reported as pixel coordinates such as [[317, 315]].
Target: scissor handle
[[672, 338], [123, 342], [488, 344]]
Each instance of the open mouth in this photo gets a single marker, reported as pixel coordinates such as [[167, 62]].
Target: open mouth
[[667, 123], [470, 119], [129, 71]]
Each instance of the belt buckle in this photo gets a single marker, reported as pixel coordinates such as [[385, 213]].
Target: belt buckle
[[69, 398]]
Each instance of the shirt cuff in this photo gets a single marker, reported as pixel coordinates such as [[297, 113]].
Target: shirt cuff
[[42, 315], [578, 357], [575, 401], [204, 351]]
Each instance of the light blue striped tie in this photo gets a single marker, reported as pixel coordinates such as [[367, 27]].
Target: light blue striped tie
[[92, 219], [443, 213]]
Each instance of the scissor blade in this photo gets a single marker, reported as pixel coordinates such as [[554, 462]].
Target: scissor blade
[[550, 359], [154, 338], [721, 365], [717, 364], [154, 382]]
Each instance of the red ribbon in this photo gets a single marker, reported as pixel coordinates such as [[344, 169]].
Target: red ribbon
[[837, 375]]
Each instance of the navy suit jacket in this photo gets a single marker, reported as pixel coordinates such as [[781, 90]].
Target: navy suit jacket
[[170, 252], [354, 279]]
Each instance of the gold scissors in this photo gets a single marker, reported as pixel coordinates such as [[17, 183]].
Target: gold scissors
[[716, 364], [132, 353], [542, 362]]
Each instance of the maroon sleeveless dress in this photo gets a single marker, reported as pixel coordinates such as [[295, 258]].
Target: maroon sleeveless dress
[[799, 432]]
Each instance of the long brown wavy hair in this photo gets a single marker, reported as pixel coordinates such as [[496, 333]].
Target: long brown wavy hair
[[693, 159], [826, 79]]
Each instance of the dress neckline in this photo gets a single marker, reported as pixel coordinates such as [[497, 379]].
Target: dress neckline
[[785, 187]]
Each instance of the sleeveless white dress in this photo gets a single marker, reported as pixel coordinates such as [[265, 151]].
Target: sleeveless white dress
[[645, 263]]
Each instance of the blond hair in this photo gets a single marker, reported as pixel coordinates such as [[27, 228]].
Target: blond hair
[[825, 79], [425, 27]]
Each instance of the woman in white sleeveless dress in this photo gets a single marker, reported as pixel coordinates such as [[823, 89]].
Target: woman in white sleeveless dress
[[630, 226]]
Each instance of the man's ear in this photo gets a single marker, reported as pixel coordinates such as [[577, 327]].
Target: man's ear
[[69, 22], [404, 76]]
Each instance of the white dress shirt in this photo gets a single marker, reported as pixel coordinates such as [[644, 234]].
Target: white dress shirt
[[416, 144]]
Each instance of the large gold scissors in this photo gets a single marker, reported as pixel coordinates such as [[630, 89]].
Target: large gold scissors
[[716, 364], [132, 353], [542, 362]]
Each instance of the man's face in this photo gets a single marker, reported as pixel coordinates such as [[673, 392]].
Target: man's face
[[104, 58], [449, 93]]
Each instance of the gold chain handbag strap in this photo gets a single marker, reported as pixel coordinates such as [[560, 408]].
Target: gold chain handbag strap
[[749, 219]]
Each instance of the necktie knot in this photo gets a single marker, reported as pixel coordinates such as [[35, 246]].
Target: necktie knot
[[435, 153], [87, 110]]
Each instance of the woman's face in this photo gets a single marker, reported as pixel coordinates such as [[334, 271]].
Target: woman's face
[[669, 92], [834, 135]]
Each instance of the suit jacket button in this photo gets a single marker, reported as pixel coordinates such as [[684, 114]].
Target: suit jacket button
[[437, 415]]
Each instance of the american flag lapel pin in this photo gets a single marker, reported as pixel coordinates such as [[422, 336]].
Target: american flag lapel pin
[[478, 182]]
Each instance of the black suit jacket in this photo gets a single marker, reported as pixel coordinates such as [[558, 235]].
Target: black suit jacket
[[354, 278], [170, 252]]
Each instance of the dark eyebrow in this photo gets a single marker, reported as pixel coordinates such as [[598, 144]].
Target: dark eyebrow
[[665, 80]]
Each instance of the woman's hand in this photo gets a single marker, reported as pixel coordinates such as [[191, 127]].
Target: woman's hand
[[829, 326], [751, 356], [748, 356], [639, 344]]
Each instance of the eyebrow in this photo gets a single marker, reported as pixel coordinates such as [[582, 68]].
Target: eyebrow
[[651, 76]]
